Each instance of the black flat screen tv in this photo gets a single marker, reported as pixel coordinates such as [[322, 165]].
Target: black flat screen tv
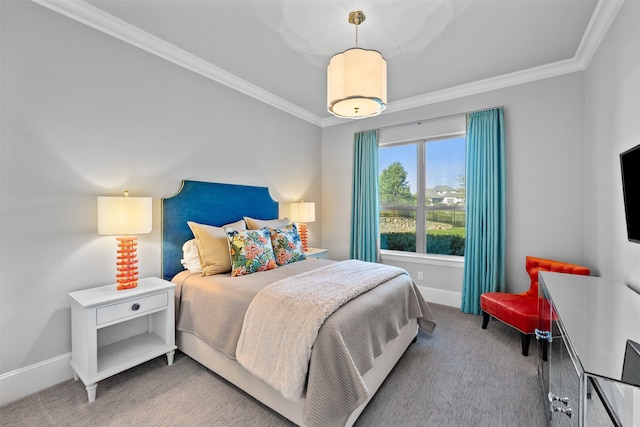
[[630, 168]]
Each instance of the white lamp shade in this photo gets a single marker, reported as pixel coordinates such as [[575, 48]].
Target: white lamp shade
[[302, 212], [357, 83], [124, 215]]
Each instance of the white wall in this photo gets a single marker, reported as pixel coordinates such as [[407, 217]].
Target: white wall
[[545, 176], [612, 126], [84, 115]]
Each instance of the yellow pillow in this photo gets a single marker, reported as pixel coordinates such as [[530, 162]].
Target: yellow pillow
[[213, 246], [257, 224]]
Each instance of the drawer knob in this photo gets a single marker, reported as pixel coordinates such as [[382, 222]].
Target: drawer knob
[[135, 307]]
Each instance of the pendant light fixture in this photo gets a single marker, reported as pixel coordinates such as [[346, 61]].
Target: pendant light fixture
[[357, 80]]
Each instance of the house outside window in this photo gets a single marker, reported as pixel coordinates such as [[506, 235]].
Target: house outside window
[[422, 191]]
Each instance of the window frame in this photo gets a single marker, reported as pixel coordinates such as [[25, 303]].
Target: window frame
[[421, 207]]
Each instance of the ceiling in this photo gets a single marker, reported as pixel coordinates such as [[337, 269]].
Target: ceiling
[[278, 50]]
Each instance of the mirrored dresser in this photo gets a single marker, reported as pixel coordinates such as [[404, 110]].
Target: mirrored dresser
[[589, 360]]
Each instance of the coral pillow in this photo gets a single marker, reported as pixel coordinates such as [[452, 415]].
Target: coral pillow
[[287, 245], [250, 251]]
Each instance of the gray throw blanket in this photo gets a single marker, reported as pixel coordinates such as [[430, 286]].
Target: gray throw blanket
[[282, 322]]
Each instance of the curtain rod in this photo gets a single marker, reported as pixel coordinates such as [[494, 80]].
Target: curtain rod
[[418, 122]]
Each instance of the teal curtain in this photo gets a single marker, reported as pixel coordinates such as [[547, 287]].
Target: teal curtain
[[364, 204], [484, 255]]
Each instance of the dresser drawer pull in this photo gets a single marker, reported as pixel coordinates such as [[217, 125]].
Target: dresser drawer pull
[[543, 335], [566, 411], [135, 307], [552, 397]]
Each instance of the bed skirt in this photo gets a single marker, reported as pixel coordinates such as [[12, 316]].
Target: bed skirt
[[233, 372]]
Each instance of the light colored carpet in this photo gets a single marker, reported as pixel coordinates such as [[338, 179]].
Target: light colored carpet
[[460, 376]]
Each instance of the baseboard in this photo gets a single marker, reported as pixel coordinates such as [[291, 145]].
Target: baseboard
[[440, 296], [30, 379], [33, 378]]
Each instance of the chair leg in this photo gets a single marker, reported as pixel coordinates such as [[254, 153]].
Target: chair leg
[[485, 319], [526, 338]]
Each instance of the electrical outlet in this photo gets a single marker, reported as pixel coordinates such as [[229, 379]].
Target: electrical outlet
[[420, 277]]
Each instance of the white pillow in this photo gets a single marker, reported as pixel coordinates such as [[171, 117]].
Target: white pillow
[[191, 257], [257, 224]]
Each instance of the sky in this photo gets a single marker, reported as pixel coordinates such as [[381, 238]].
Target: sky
[[445, 161]]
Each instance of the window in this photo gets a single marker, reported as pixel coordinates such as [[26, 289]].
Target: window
[[422, 195]]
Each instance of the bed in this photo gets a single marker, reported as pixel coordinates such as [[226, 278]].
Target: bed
[[353, 349]]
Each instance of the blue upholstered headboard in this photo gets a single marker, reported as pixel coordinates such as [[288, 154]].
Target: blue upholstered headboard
[[207, 203]]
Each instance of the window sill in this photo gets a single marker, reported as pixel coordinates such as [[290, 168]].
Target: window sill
[[425, 259]]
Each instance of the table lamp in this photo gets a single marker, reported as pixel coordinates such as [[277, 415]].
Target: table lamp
[[301, 213], [124, 217]]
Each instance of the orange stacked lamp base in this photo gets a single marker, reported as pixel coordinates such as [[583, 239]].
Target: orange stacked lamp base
[[127, 263], [302, 231]]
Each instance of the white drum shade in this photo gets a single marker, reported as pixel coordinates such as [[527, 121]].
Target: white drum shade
[[124, 215], [357, 83], [302, 212]]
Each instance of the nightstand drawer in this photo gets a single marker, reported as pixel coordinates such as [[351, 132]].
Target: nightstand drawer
[[317, 253], [128, 308]]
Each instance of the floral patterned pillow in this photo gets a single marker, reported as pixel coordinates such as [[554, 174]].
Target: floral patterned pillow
[[287, 245], [250, 251]]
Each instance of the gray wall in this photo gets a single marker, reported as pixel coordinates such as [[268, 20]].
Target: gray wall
[[612, 126], [612, 92], [84, 115], [545, 176]]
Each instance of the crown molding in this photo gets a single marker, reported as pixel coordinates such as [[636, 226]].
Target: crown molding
[[97, 19], [474, 88], [493, 83], [81, 11], [601, 19]]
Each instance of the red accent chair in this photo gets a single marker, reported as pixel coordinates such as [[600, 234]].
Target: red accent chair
[[520, 311]]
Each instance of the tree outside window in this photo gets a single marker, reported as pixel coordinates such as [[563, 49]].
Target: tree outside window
[[422, 189]]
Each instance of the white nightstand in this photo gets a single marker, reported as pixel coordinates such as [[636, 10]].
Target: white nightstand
[[112, 330], [317, 253]]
